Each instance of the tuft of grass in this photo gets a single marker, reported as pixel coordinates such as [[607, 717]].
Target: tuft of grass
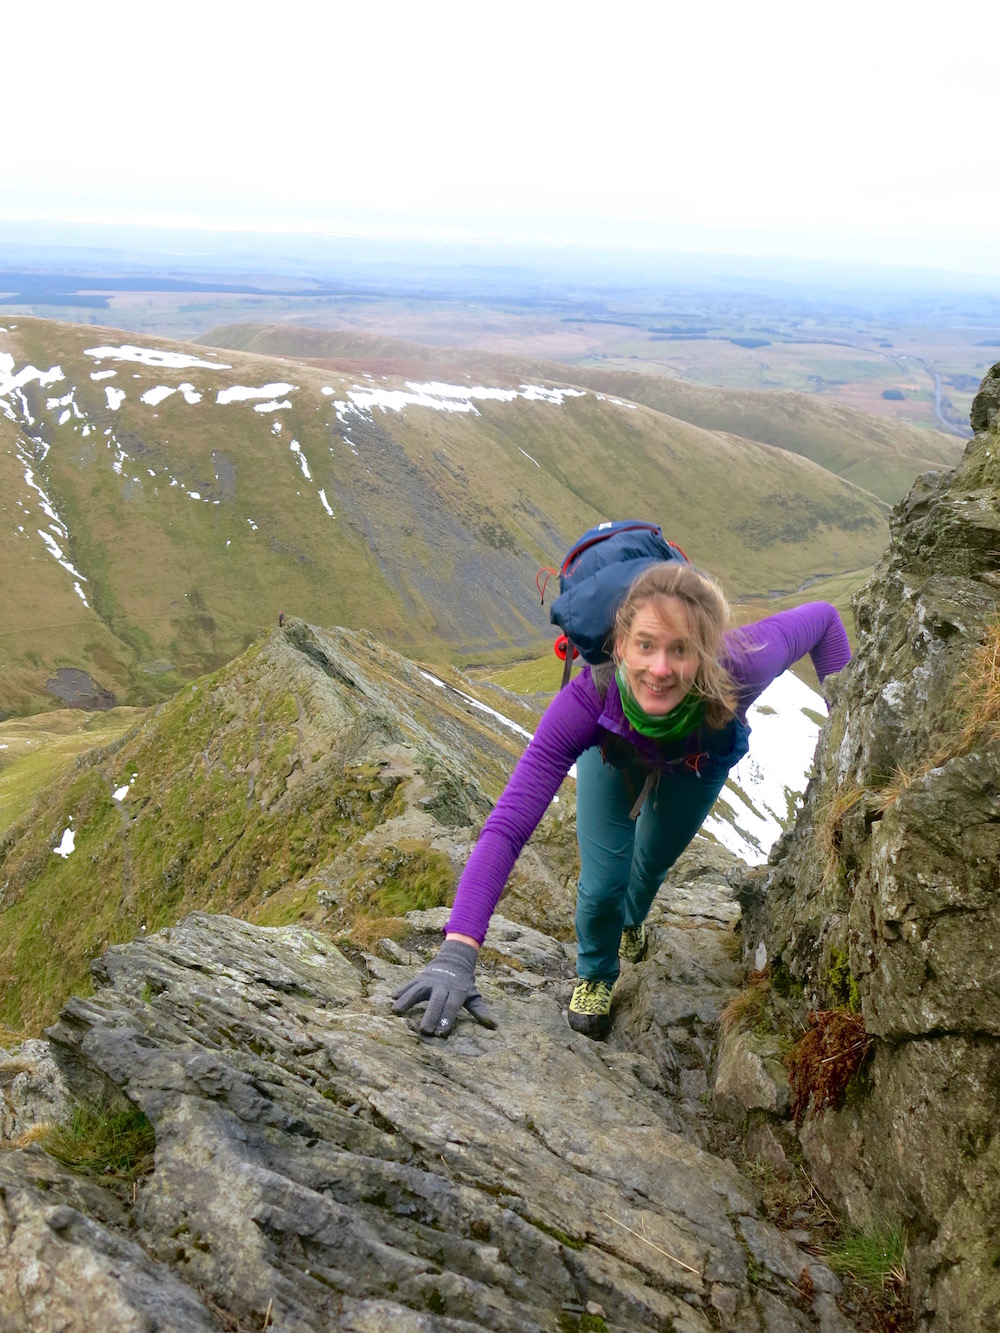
[[113, 1142], [365, 932], [876, 1254], [829, 821], [979, 693], [748, 1010]]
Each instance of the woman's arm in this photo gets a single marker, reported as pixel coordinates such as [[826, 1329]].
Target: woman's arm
[[759, 653], [567, 727]]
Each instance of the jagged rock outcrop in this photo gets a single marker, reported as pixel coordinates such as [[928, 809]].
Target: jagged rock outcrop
[[887, 894], [318, 1165]]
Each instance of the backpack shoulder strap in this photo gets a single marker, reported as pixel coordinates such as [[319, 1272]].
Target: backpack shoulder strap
[[602, 675]]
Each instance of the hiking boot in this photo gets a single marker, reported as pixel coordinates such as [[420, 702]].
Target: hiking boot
[[633, 944], [590, 1008]]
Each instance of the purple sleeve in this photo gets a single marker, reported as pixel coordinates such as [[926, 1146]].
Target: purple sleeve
[[567, 728], [759, 653]]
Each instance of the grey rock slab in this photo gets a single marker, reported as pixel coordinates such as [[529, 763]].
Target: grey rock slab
[[316, 1155], [703, 900], [749, 1076], [776, 1316], [775, 1251], [62, 1269], [32, 1091], [830, 1316]]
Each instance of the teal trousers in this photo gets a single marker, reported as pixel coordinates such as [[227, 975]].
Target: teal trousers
[[623, 861]]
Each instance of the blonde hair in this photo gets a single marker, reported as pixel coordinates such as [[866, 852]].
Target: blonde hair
[[707, 617]]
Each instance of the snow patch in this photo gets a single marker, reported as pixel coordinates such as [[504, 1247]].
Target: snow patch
[[67, 844], [152, 356], [765, 787], [296, 449], [239, 393], [363, 400]]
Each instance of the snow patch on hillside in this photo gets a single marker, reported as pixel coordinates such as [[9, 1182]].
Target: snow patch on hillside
[[9, 381], [240, 393], [362, 401], [151, 356], [766, 787]]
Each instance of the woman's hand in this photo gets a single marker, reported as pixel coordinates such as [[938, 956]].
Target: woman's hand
[[447, 984]]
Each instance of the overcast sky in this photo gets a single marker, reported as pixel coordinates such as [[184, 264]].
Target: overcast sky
[[848, 131]]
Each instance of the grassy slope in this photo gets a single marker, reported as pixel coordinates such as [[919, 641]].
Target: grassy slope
[[441, 520], [248, 784], [37, 751], [880, 454]]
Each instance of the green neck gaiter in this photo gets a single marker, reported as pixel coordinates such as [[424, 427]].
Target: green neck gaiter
[[680, 721]]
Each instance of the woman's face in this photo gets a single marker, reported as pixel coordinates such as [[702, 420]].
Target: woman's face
[[657, 657]]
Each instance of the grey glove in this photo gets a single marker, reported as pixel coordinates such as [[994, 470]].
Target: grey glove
[[447, 984]]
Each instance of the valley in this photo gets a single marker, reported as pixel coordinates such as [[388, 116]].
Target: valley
[[164, 502]]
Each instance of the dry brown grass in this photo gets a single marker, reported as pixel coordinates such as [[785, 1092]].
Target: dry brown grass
[[36, 1134], [829, 821], [365, 932], [823, 1061], [979, 693]]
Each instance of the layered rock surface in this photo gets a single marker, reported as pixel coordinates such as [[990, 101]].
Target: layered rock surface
[[887, 893], [318, 1165]]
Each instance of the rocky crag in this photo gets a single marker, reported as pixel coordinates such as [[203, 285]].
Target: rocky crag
[[886, 897]]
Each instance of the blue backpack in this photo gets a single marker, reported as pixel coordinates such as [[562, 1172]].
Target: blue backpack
[[595, 576]]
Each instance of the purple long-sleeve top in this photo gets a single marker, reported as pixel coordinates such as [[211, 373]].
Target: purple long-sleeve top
[[578, 717]]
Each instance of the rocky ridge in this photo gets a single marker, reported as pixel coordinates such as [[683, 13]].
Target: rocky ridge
[[886, 896]]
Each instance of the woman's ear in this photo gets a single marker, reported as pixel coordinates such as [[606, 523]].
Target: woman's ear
[[619, 651]]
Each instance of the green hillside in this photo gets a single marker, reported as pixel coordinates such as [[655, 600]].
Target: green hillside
[[177, 527], [237, 796], [880, 454]]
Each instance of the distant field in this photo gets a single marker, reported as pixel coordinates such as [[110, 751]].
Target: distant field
[[849, 348], [35, 751]]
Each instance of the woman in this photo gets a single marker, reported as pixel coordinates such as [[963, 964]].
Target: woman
[[653, 736]]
